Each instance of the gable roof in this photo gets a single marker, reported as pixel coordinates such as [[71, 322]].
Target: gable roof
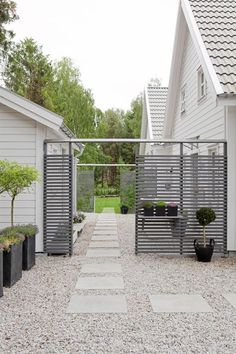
[[36, 112], [155, 98], [216, 21]]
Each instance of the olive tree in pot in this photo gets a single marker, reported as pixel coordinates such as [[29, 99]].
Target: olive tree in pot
[[203, 250], [12, 257]]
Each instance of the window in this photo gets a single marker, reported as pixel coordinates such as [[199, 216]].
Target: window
[[201, 84], [183, 100]]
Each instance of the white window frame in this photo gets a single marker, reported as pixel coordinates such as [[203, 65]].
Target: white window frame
[[202, 84], [183, 100]]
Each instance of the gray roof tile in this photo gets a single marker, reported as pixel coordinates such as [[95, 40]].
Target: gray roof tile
[[157, 97], [216, 20]]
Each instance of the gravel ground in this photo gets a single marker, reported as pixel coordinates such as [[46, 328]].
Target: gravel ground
[[33, 315]]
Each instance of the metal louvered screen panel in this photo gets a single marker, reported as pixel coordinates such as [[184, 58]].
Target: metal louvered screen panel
[[191, 181], [58, 211]]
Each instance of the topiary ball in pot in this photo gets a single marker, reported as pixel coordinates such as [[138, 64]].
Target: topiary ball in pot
[[148, 208]]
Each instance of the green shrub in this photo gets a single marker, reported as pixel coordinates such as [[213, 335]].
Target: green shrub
[[205, 216], [6, 241], [161, 203], [147, 205], [26, 230]]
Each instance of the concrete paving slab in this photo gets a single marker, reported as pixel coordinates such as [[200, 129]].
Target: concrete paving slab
[[100, 283], [103, 252], [104, 244], [231, 298], [97, 304], [101, 268], [104, 238], [179, 303], [105, 232]]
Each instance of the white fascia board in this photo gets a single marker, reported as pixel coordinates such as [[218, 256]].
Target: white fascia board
[[30, 109], [149, 121], [200, 46], [175, 71], [226, 100]]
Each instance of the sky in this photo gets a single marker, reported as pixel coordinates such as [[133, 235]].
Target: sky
[[118, 45]]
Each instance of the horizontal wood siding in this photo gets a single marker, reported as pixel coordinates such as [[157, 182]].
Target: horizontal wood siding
[[17, 143], [203, 118]]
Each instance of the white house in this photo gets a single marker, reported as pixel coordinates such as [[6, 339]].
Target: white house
[[154, 107], [201, 101], [23, 128]]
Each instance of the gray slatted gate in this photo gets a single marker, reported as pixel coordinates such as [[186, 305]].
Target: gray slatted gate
[[191, 182], [58, 208]]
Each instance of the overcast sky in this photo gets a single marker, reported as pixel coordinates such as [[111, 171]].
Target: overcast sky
[[118, 45]]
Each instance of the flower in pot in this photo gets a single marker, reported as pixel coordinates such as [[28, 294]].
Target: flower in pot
[[148, 208], [12, 257], [78, 218], [172, 209], [160, 208], [1, 269], [29, 232], [204, 250]]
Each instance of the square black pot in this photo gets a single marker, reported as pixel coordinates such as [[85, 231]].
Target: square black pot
[[1, 273], [12, 265], [28, 257], [148, 211], [160, 210], [172, 211]]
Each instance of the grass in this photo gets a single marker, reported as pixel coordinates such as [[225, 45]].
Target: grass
[[109, 202]]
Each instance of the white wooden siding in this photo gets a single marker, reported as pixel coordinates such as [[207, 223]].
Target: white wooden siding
[[17, 143], [202, 118]]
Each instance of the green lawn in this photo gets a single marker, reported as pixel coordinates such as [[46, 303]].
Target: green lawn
[[112, 202]]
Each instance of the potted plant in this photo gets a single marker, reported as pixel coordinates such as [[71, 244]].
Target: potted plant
[[161, 208], [172, 209], [127, 199], [147, 208], [204, 251], [124, 209], [78, 224], [1, 269], [12, 257], [28, 252]]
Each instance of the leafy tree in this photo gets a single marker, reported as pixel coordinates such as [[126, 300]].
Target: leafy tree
[[7, 15], [28, 71], [205, 216], [15, 178]]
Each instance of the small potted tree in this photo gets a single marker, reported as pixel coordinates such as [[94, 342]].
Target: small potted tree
[[161, 208], [204, 251], [12, 257], [1, 269], [148, 208], [127, 199], [172, 209]]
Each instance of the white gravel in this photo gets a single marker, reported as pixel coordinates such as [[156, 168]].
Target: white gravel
[[33, 315]]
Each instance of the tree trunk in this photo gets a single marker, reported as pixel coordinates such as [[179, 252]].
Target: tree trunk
[[204, 236], [12, 210]]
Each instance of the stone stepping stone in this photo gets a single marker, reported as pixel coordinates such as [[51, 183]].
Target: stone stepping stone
[[105, 232], [104, 238], [103, 252], [97, 304], [100, 283], [101, 268], [231, 298], [104, 244], [179, 303]]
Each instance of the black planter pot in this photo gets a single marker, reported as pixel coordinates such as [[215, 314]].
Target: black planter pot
[[160, 210], [124, 209], [148, 211], [12, 265], [204, 254], [172, 211], [28, 256], [1, 273]]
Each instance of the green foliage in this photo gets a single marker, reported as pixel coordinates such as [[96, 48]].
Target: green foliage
[[106, 190], [9, 239], [7, 15], [78, 217], [84, 203], [108, 202], [15, 178], [128, 197], [26, 230], [161, 203], [28, 71], [147, 205], [205, 216]]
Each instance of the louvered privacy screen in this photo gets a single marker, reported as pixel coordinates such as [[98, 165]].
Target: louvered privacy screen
[[191, 181], [58, 171]]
